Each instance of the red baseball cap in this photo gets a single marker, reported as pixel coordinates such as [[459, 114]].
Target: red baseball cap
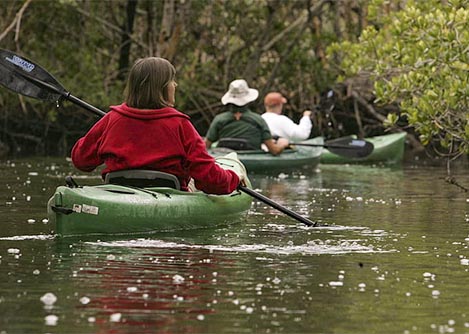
[[274, 98]]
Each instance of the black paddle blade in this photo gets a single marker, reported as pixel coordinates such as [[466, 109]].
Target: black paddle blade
[[350, 147], [22, 76]]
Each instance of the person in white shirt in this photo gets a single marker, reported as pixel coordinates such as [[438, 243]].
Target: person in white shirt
[[282, 126]]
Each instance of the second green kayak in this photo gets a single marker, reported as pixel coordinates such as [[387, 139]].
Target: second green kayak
[[293, 158]]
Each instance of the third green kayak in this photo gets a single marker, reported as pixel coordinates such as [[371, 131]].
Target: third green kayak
[[388, 149]]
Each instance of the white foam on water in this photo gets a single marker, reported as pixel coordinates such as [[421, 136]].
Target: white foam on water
[[51, 320], [333, 227], [48, 299], [29, 237], [115, 317], [311, 247]]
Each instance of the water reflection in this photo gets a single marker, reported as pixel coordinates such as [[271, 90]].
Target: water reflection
[[391, 257], [159, 283]]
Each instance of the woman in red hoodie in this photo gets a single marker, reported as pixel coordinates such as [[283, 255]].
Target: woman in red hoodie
[[147, 132]]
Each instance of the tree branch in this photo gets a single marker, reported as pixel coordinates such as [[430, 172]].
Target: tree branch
[[16, 22]]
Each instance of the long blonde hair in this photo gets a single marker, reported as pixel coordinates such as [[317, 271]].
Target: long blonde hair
[[147, 84]]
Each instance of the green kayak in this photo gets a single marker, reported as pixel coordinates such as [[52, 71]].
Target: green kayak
[[113, 209], [292, 158], [388, 149], [142, 201]]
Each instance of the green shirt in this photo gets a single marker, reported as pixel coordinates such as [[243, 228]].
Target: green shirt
[[251, 126]]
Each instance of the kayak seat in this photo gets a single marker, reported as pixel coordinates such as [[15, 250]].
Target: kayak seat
[[142, 178], [237, 144]]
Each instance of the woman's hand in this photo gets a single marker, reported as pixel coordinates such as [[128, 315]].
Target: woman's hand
[[242, 179]]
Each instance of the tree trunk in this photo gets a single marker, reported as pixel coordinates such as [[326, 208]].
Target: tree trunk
[[127, 30]]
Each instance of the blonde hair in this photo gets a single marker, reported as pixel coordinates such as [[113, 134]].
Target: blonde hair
[[147, 85]]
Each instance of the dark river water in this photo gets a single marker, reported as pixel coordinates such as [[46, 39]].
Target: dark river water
[[391, 256]]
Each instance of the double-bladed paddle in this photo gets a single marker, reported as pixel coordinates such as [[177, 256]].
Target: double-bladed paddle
[[24, 77]]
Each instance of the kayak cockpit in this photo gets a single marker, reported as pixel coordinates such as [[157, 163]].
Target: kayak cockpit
[[143, 178]]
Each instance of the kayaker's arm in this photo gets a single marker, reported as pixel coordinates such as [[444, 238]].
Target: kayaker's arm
[[276, 147], [84, 153]]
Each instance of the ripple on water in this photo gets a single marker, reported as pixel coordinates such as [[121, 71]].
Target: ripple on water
[[29, 237], [310, 247]]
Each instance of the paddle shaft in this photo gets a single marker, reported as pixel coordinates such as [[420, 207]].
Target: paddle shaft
[[277, 206], [327, 146], [347, 147]]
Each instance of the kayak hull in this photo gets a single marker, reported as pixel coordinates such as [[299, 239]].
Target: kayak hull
[[299, 157], [112, 209], [388, 149]]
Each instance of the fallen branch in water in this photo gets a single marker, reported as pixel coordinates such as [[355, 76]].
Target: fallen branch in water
[[452, 180]]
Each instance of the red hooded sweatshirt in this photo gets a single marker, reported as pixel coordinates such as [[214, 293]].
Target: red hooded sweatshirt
[[162, 139]]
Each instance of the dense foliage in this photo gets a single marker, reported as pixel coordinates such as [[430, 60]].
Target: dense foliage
[[418, 58], [413, 53], [88, 46]]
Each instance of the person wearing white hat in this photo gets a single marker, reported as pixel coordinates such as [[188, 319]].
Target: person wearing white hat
[[282, 126], [239, 125]]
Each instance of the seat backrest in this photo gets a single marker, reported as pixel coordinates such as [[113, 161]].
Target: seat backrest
[[237, 144], [143, 178]]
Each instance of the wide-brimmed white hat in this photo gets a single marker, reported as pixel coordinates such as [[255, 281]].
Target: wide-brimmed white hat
[[239, 93]]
